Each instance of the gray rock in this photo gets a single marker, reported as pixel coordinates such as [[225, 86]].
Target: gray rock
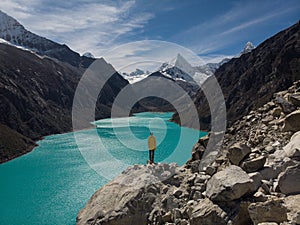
[[289, 180], [292, 122], [207, 213], [229, 184], [194, 166], [270, 211], [201, 178], [253, 165], [177, 193], [260, 197], [257, 178], [237, 153], [127, 199], [197, 195], [275, 166], [210, 170], [176, 214], [170, 202], [286, 106], [292, 149], [167, 217], [295, 99], [197, 151], [276, 112], [182, 222], [293, 206], [268, 223]]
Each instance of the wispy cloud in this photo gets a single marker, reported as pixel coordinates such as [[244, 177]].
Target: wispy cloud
[[226, 29], [84, 25]]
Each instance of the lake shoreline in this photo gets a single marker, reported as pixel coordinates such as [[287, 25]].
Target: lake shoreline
[[32, 147]]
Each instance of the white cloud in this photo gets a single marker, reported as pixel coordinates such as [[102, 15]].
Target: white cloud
[[83, 25], [148, 55]]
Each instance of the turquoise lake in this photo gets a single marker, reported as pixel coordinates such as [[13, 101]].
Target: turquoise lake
[[53, 182]]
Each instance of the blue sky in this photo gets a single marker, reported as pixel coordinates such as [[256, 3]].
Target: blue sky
[[211, 29]]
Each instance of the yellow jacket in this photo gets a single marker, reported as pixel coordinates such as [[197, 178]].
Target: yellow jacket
[[151, 142]]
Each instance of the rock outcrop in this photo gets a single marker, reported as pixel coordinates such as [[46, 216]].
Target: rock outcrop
[[259, 185], [229, 184]]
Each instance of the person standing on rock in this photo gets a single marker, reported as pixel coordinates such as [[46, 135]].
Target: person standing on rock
[[151, 147]]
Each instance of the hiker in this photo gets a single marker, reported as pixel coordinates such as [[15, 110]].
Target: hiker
[[152, 147]]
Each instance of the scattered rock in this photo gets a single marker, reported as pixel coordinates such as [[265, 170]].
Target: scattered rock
[[295, 99], [241, 216], [207, 213], [286, 106], [268, 223], [260, 197], [253, 165], [229, 184], [237, 153], [177, 193], [276, 112], [257, 178], [167, 217], [292, 122], [270, 211], [293, 206], [289, 180]]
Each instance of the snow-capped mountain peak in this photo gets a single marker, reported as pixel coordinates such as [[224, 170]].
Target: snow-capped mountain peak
[[248, 48], [180, 69], [181, 63], [16, 34]]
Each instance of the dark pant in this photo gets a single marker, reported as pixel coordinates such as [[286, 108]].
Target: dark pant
[[151, 156]]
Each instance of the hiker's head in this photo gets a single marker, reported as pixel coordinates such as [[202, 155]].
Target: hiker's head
[[151, 133]]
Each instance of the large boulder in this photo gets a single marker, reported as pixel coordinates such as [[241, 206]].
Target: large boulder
[[237, 152], [272, 210], [229, 184], [207, 213], [289, 180], [292, 122], [129, 198]]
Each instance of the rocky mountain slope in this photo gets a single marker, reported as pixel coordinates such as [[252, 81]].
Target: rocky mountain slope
[[155, 80], [250, 81], [14, 32], [254, 180], [36, 96]]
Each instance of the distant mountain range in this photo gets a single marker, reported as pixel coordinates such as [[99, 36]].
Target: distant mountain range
[[249, 81], [180, 69]]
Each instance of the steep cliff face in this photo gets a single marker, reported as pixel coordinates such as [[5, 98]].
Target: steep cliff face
[[251, 80]]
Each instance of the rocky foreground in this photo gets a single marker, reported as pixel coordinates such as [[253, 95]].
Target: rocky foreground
[[254, 180]]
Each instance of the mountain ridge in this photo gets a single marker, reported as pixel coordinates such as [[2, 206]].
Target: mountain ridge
[[14, 32]]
